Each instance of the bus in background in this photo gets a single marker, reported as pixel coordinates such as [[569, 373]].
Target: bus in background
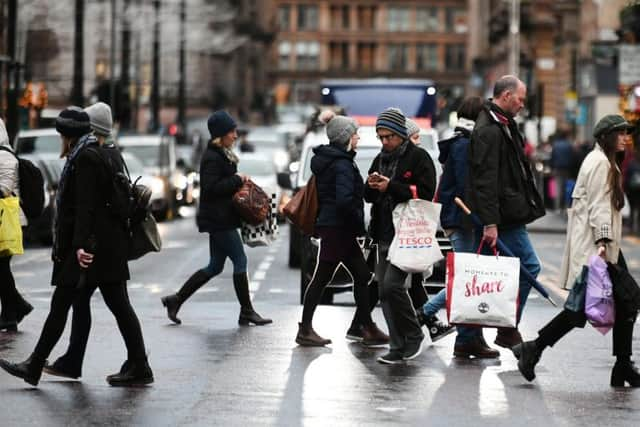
[[364, 99]]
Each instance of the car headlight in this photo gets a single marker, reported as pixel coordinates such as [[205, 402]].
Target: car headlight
[[157, 187], [180, 181], [281, 160]]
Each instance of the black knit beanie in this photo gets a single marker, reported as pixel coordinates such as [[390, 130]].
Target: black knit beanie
[[220, 123], [73, 122]]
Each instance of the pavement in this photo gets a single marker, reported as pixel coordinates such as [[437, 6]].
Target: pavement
[[552, 222]]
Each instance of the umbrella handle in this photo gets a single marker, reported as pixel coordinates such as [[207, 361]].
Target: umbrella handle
[[462, 206]]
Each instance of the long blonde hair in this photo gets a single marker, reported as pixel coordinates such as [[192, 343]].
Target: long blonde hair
[[233, 158]]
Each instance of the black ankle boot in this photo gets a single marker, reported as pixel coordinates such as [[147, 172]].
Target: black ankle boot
[[30, 370], [247, 313], [625, 371], [8, 325], [528, 355], [133, 373], [24, 308], [173, 302]]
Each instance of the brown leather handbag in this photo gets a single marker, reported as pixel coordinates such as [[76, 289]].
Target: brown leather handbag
[[251, 203], [302, 209]]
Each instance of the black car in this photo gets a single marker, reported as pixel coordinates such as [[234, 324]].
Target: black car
[[40, 230]]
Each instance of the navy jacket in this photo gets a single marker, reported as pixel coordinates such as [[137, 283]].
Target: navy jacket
[[218, 184], [340, 189], [453, 155]]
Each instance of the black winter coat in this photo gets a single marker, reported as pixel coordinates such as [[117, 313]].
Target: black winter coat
[[218, 184], [340, 189], [415, 167], [83, 215], [454, 157], [501, 189]]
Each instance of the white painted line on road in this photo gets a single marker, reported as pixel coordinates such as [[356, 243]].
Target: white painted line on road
[[390, 409], [264, 266], [254, 285], [208, 290], [269, 258], [135, 285], [177, 244], [21, 274], [259, 275], [276, 291], [153, 288]]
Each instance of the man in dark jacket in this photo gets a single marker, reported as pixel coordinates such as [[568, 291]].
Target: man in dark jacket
[[400, 169], [501, 187]]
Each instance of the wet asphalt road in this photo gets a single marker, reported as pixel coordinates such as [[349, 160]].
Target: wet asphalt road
[[210, 371]]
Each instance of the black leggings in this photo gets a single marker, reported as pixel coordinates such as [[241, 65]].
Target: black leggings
[[9, 295], [114, 295], [362, 276]]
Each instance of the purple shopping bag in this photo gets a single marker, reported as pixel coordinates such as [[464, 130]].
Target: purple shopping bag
[[599, 306]]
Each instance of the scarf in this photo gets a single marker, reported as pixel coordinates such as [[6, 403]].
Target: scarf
[[69, 166], [465, 124]]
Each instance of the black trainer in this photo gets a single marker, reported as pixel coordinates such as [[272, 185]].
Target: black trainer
[[355, 333], [393, 357], [412, 348]]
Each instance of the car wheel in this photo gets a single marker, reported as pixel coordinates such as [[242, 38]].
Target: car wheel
[[294, 247]]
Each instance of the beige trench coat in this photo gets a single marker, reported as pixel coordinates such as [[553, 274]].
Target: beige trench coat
[[591, 218]]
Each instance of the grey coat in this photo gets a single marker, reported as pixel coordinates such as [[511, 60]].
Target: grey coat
[[9, 180]]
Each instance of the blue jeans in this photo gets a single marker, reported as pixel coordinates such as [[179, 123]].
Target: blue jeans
[[223, 244], [461, 241]]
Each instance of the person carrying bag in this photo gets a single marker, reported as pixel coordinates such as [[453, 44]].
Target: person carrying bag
[[594, 228]]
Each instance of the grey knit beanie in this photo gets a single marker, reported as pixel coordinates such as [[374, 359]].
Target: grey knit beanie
[[100, 118], [392, 119], [412, 127], [340, 129]]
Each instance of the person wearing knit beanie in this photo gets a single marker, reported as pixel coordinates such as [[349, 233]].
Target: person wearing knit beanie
[[393, 120], [73, 122], [340, 129], [413, 131], [220, 123], [100, 118]]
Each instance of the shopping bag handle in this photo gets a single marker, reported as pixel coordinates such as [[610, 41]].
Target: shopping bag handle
[[495, 252], [414, 191]]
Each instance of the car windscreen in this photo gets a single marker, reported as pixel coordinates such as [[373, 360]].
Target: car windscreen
[[364, 158], [256, 167], [38, 144], [134, 165], [149, 155]]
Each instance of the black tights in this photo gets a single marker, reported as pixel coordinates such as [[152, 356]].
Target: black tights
[[362, 276], [117, 300], [8, 292]]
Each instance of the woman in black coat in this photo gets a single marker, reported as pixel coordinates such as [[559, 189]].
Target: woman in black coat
[[219, 181], [89, 251], [340, 221]]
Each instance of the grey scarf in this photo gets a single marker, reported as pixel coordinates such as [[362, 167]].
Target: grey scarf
[[389, 160]]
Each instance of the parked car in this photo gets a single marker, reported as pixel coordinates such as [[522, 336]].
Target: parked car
[[158, 156], [41, 229], [36, 141], [303, 249], [268, 140]]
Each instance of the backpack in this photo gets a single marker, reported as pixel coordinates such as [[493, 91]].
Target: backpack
[[31, 184], [129, 203]]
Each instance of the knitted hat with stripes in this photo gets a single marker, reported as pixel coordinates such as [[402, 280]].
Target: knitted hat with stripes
[[392, 119]]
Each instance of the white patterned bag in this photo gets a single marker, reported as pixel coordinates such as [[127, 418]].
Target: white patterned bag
[[265, 233]]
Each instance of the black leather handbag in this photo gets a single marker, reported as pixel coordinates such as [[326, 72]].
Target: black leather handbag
[[144, 238], [576, 299], [625, 289]]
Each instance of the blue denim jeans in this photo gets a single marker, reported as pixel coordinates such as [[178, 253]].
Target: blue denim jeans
[[461, 241], [223, 244]]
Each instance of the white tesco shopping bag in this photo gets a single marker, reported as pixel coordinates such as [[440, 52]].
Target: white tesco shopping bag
[[482, 290], [414, 247]]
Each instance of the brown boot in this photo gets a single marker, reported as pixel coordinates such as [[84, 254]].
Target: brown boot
[[372, 336], [475, 348], [508, 337], [307, 337]]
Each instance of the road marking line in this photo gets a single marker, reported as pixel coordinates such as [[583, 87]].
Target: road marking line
[[254, 285], [264, 266], [269, 258], [259, 275], [276, 291], [208, 290]]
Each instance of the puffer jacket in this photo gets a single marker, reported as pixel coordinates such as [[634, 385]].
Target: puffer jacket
[[340, 189], [9, 179]]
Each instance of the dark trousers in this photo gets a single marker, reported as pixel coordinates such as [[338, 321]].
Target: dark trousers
[[9, 295], [117, 300], [362, 277], [566, 320], [396, 304]]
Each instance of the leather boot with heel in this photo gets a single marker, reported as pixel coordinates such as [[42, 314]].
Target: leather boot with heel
[[30, 370], [174, 302], [133, 373], [625, 372], [247, 314], [307, 337]]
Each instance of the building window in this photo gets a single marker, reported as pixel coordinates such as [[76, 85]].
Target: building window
[[366, 17], [398, 19], [339, 17], [339, 55], [456, 20], [397, 54], [284, 17], [284, 53], [307, 17], [427, 19], [307, 54], [455, 56], [366, 56], [427, 57]]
